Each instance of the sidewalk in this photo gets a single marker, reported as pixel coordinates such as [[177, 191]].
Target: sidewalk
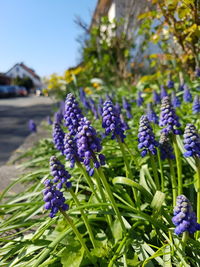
[[11, 171]]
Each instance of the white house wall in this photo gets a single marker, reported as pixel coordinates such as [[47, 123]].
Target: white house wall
[[21, 72]]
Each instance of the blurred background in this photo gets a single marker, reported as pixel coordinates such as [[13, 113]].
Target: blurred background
[[50, 48]]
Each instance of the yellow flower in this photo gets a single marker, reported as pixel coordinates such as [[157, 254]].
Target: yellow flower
[[96, 85], [88, 90]]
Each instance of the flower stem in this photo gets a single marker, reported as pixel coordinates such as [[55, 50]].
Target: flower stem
[[85, 219], [161, 171], [111, 198], [78, 235], [173, 181], [155, 173], [185, 237], [88, 179], [99, 185], [198, 188], [179, 165], [129, 173]]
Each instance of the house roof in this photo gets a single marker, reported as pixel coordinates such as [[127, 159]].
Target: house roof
[[101, 9], [31, 71]]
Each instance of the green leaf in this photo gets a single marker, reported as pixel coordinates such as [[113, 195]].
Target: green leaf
[[129, 182], [73, 255], [158, 200], [116, 230]]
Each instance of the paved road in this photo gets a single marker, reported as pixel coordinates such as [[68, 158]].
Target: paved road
[[14, 116]]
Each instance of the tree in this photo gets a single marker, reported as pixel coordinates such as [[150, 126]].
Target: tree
[[25, 82]]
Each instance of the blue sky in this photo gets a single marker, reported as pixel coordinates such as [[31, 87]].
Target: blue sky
[[41, 33]]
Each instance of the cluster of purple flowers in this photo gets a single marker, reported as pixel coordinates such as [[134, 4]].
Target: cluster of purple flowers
[[111, 121], [127, 107], [72, 114], [187, 97], [70, 149], [52, 195], [156, 97], [146, 138], [88, 144], [151, 115], [139, 99], [175, 100], [184, 218], [58, 137], [170, 84], [191, 141], [168, 117], [166, 149], [163, 92], [196, 104], [32, 126]]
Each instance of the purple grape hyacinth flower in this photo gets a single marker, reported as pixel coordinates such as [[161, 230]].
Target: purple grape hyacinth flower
[[146, 138], [111, 121], [156, 97], [58, 137], [139, 99], [168, 117], [151, 115], [61, 176], [181, 87], [58, 117], [127, 107], [52, 195], [163, 92], [72, 114], [184, 217], [191, 141], [70, 149], [166, 149], [32, 126], [175, 100], [88, 147], [187, 97], [196, 105], [170, 84]]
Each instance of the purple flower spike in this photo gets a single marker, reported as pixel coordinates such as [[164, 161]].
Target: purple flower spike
[[111, 121], [196, 105], [163, 92], [88, 146], [127, 107], [187, 97], [70, 149], [181, 87], [32, 126], [58, 117], [156, 97], [139, 99], [166, 149], [151, 115], [191, 141], [170, 84], [72, 114], [52, 195], [184, 217], [59, 173], [58, 137], [175, 100], [146, 138], [168, 117]]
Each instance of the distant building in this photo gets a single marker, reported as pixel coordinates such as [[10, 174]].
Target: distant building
[[22, 71], [4, 80], [128, 10]]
